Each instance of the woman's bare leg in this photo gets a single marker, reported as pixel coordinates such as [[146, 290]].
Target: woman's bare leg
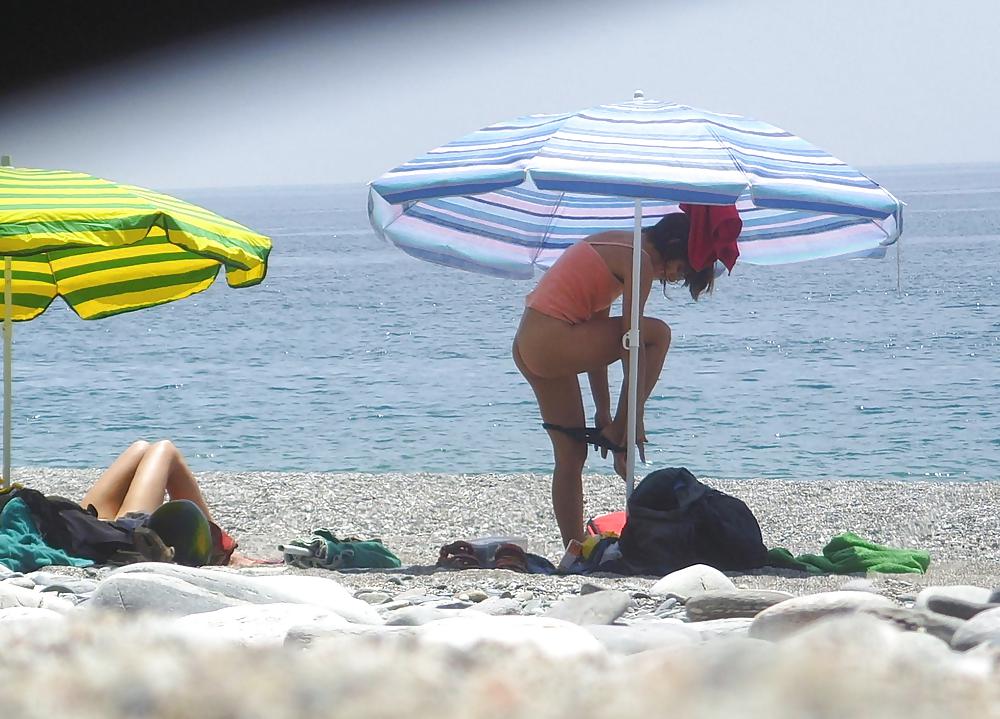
[[108, 493], [162, 471], [560, 402]]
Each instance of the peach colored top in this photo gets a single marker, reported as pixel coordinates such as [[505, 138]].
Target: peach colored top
[[578, 285]]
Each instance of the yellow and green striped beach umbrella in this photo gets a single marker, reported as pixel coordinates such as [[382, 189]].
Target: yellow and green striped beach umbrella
[[107, 248]]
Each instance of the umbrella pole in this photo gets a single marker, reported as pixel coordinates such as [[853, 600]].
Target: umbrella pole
[[8, 340], [632, 342]]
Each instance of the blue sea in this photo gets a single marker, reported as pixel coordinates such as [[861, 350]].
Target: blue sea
[[354, 356]]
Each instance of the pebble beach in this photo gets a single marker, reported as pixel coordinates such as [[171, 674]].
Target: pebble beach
[[165, 641]]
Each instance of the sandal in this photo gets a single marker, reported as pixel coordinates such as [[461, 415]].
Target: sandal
[[458, 555], [512, 557]]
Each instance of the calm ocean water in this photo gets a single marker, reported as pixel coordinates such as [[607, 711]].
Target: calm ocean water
[[354, 356]]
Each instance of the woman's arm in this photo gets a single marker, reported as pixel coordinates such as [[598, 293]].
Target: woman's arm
[[599, 387], [645, 284]]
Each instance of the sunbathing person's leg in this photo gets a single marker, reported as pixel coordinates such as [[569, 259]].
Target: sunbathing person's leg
[[162, 470], [108, 493]]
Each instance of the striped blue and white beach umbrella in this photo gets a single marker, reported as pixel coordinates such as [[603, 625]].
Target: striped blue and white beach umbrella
[[511, 197]]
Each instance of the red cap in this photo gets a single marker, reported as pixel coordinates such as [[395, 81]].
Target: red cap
[[714, 229]]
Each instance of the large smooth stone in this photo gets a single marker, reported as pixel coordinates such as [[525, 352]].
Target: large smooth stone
[[551, 637], [253, 624], [264, 589], [420, 615], [982, 628], [792, 615], [595, 608], [726, 605], [872, 640], [937, 625], [13, 596], [965, 592], [691, 580], [161, 594], [643, 637], [29, 614], [25, 623]]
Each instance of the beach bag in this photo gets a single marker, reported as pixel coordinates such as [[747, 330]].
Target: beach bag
[[611, 523], [675, 521]]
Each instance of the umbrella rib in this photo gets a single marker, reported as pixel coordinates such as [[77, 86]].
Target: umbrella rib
[[739, 165], [548, 226]]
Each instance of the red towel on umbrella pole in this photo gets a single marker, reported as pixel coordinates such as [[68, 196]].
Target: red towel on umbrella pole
[[714, 229]]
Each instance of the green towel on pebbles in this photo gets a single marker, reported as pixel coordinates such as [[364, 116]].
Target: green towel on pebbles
[[22, 548], [848, 553], [325, 550]]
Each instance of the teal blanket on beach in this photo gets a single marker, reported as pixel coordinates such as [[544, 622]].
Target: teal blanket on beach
[[22, 548], [848, 553]]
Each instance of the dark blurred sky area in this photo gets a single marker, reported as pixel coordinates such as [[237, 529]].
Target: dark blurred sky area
[[44, 40], [220, 93]]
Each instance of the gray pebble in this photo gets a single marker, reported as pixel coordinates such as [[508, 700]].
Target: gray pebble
[[959, 608], [597, 608], [938, 625], [524, 596], [373, 597], [393, 605], [535, 606], [791, 615], [20, 581], [43, 578], [644, 637], [591, 587], [726, 605], [965, 592], [452, 604], [497, 606], [859, 585], [668, 604], [982, 628], [717, 628], [416, 616], [419, 598]]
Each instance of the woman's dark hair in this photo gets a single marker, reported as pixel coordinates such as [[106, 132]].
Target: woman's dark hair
[[670, 238]]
